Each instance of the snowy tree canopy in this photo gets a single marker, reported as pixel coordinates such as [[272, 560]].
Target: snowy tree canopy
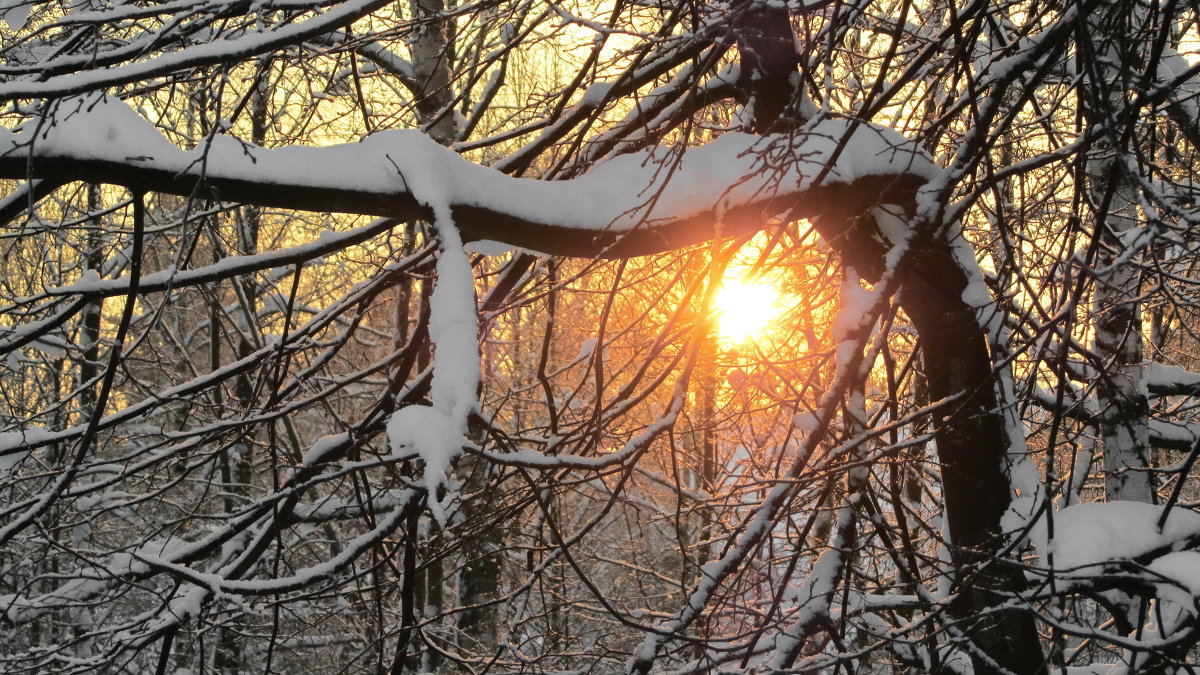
[[362, 336]]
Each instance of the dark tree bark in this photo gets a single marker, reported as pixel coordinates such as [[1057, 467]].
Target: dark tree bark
[[769, 76], [971, 443]]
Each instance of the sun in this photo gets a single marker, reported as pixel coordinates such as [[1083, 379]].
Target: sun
[[744, 309]]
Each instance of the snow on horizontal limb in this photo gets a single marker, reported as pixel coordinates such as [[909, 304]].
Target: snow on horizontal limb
[[1096, 533], [1179, 578], [1165, 379], [203, 53], [634, 204], [1092, 540]]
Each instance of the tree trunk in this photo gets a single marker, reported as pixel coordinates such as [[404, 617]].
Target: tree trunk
[[1124, 407], [229, 654], [972, 445], [479, 577]]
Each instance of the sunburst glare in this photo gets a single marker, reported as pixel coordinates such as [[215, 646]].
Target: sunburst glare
[[745, 309]]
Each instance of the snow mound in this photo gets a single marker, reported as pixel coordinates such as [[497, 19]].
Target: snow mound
[[1095, 533], [437, 439]]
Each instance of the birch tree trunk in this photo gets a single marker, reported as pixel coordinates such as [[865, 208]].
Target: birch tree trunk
[[1124, 407]]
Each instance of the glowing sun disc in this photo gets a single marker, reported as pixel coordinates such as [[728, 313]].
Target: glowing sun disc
[[744, 309]]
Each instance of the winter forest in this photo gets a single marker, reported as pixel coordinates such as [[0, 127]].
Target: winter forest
[[599, 336]]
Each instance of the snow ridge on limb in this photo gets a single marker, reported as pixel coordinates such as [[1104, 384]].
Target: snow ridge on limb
[[628, 205], [1095, 533], [1023, 476], [813, 599], [1163, 379]]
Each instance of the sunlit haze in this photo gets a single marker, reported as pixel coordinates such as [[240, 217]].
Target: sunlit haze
[[745, 309]]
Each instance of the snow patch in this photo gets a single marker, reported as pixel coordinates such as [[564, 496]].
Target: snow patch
[[324, 446], [16, 13], [1168, 376], [1094, 533], [489, 247], [13, 448], [806, 422], [10, 461], [854, 309], [99, 126], [1182, 582], [436, 438]]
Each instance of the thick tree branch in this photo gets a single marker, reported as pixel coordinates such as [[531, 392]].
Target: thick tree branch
[[634, 205]]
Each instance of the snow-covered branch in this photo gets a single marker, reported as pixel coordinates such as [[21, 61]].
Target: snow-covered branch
[[632, 205]]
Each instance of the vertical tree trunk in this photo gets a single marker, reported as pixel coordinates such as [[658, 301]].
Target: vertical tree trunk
[[1124, 407], [432, 57], [972, 445], [479, 578], [89, 370], [707, 455]]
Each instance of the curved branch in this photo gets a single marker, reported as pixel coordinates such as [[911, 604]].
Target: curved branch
[[633, 205]]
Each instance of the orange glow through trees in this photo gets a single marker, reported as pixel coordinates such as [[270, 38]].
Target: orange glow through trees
[[744, 309]]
